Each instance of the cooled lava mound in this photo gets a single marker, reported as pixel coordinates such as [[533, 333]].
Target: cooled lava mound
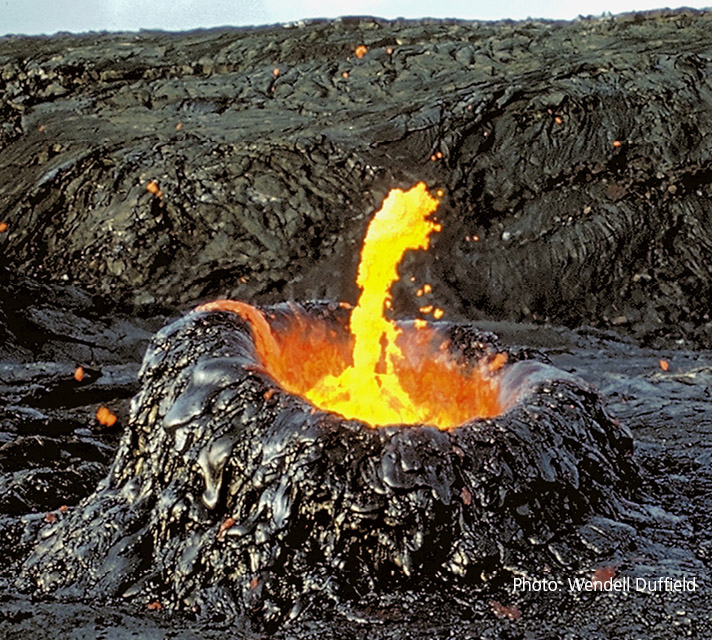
[[231, 495]]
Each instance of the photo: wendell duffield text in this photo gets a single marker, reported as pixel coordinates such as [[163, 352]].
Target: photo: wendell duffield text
[[622, 584]]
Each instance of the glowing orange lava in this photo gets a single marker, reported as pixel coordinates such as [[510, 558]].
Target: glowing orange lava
[[375, 370]]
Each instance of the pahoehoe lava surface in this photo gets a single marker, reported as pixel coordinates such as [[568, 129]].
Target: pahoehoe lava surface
[[576, 153], [234, 497], [576, 167]]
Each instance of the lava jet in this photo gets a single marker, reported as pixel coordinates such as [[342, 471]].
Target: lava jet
[[280, 454]]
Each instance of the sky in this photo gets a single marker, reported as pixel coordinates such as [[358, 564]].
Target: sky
[[49, 16]]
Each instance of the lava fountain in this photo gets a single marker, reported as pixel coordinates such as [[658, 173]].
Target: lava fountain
[[379, 373], [297, 452]]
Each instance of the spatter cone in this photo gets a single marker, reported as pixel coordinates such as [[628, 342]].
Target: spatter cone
[[230, 495]]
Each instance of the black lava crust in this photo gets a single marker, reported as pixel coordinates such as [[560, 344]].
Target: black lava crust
[[226, 499]]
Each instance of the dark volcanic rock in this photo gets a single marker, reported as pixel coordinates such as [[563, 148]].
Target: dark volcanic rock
[[226, 498], [576, 175], [575, 153]]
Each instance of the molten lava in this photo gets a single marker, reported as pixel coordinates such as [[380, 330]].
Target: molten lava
[[375, 370]]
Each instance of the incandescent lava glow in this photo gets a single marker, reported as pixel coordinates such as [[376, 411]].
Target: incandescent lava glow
[[376, 370]]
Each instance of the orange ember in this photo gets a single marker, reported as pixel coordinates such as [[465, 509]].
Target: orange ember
[[377, 371], [106, 417], [152, 187]]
